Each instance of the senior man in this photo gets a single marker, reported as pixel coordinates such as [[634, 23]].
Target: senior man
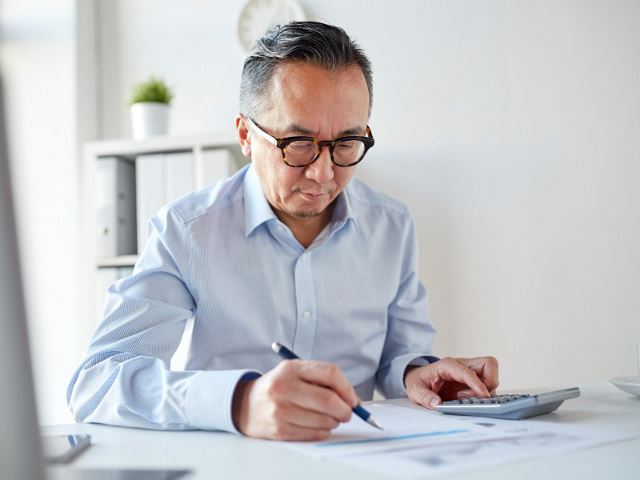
[[290, 249]]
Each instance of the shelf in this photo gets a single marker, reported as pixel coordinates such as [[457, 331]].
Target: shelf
[[129, 148], [120, 261], [103, 271]]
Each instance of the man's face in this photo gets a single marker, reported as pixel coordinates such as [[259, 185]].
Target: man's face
[[312, 101]]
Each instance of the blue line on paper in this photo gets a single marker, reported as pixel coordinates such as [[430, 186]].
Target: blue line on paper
[[388, 439]]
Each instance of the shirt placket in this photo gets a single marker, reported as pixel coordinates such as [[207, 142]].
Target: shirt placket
[[306, 310]]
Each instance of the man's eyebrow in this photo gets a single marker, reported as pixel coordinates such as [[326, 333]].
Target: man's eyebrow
[[295, 128], [352, 131]]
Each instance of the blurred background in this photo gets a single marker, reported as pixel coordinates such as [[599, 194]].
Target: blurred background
[[511, 129]]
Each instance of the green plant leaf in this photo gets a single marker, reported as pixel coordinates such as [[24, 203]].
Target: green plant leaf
[[153, 90]]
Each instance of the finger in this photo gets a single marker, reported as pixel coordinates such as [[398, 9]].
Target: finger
[[453, 370], [321, 400], [330, 376], [301, 417], [465, 393], [486, 368], [491, 374], [425, 397], [295, 433]]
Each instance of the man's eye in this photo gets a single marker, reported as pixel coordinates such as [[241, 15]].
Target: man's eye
[[300, 146], [350, 145]]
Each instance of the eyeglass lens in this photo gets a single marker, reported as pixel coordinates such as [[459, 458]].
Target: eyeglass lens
[[345, 152]]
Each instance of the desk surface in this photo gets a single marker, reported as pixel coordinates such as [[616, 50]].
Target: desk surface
[[224, 455]]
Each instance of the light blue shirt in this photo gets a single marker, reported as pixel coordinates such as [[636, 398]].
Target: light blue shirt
[[222, 257]]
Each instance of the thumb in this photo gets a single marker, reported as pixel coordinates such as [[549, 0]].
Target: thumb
[[425, 397]]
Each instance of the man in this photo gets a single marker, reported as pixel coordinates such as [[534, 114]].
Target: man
[[291, 249]]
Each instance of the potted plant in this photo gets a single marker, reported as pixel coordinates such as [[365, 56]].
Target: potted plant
[[149, 107]]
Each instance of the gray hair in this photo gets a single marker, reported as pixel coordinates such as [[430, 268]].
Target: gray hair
[[313, 42]]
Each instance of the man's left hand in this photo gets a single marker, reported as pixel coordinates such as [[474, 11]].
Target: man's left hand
[[452, 379]]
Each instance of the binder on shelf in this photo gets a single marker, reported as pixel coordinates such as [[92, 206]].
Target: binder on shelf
[[150, 194], [214, 165], [163, 178], [179, 175], [160, 179], [115, 207]]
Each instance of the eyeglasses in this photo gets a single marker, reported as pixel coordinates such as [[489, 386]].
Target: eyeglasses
[[300, 151]]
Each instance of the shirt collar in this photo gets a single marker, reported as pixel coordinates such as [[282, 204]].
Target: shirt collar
[[258, 210], [343, 211]]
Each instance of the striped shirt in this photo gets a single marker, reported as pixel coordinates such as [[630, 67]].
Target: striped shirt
[[222, 257]]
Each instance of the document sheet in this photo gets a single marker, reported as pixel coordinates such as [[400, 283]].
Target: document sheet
[[416, 442]]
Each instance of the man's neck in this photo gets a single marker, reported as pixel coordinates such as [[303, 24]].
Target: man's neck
[[305, 230]]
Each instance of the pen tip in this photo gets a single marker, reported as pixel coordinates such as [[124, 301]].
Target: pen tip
[[275, 346], [375, 423]]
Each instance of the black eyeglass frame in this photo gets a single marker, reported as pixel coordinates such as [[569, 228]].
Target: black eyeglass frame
[[283, 142]]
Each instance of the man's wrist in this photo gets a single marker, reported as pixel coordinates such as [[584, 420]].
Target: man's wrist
[[239, 406], [417, 363], [408, 369]]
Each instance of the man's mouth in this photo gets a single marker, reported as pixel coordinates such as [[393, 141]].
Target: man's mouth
[[312, 196]]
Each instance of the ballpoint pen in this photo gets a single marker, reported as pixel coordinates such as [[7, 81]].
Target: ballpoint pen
[[287, 354]]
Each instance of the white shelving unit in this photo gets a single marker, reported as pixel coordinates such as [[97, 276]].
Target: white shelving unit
[[119, 261], [129, 150]]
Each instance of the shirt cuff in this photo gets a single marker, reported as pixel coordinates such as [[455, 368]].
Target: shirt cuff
[[395, 387], [419, 361], [422, 360], [209, 401]]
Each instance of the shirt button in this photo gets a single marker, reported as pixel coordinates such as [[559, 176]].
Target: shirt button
[[306, 315]]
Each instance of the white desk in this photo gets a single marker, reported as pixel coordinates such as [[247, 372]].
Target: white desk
[[222, 455]]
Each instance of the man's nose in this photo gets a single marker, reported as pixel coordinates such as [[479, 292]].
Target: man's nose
[[322, 169]]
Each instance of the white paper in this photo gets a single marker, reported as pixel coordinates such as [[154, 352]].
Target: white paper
[[404, 425], [416, 441]]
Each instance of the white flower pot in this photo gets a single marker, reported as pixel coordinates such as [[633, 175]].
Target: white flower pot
[[149, 119]]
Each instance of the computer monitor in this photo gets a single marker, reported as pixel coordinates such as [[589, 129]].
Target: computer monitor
[[20, 451]]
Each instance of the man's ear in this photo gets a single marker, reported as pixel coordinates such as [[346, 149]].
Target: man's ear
[[242, 129]]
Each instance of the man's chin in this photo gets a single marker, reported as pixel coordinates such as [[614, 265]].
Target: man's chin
[[310, 207], [307, 213]]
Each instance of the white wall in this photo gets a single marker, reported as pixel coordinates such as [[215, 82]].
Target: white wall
[[522, 178], [37, 57], [190, 44], [511, 129]]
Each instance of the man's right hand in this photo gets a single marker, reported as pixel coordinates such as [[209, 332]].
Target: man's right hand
[[297, 400]]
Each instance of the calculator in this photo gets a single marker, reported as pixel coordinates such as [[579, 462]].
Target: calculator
[[512, 407]]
